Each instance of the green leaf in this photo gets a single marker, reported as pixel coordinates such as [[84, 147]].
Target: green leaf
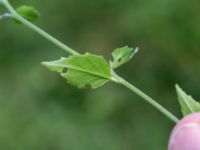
[[29, 13], [122, 55], [82, 70], [187, 103]]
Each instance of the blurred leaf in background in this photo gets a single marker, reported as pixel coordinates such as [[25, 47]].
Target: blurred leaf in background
[[38, 110]]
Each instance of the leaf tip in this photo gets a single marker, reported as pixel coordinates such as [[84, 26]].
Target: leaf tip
[[177, 86], [134, 52], [137, 49], [44, 63]]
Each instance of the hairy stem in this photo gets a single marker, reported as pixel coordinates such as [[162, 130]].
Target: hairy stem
[[38, 30], [123, 82]]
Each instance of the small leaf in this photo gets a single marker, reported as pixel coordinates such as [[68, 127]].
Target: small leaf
[[122, 55], [82, 70], [187, 103], [29, 13]]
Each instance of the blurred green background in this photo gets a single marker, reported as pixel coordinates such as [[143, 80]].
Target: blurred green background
[[39, 111]]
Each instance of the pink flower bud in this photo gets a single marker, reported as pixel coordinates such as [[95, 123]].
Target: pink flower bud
[[186, 134]]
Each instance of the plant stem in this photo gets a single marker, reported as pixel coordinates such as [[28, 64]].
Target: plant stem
[[114, 78], [37, 29], [123, 82]]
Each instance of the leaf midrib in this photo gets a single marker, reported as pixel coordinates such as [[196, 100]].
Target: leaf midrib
[[82, 70]]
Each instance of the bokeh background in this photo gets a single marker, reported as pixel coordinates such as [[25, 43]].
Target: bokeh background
[[40, 111]]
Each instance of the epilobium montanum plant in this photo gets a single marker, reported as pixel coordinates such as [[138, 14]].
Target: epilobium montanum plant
[[91, 69]]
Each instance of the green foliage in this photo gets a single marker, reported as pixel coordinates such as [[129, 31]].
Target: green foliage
[[35, 101], [28, 12], [187, 103], [82, 70], [122, 55]]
